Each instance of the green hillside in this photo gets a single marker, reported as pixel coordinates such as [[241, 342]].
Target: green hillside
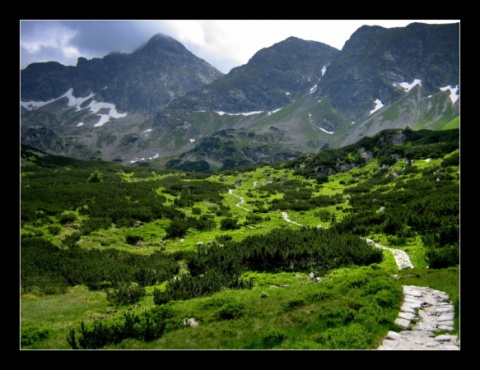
[[264, 257]]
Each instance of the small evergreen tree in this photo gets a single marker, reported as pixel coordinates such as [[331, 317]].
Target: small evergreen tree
[[95, 176], [177, 229], [229, 224]]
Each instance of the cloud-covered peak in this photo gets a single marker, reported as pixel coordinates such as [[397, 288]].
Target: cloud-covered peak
[[161, 43]]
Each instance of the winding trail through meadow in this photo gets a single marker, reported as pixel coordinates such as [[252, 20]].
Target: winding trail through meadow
[[242, 200], [424, 310]]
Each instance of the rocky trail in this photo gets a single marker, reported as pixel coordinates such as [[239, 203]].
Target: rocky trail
[[242, 200], [286, 218], [424, 312]]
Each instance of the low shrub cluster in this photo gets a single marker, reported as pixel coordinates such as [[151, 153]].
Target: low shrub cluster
[[309, 249], [146, 327], [46, 269]]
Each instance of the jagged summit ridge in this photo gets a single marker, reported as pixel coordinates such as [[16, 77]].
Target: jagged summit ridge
[[145, 80], [160, 43], [163, 105]]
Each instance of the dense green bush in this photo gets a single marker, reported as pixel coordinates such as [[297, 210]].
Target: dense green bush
[[231, 311], [145, 327], [203, 223], [39, 267], [443, 257], [453, 160], [95, 223], [95, 176], [33, 334], [133, 238], [274, 338], [126, 293], [293, 304], [253, 218], [229, 224], [420, 144], [215, 267], [324, 215], [177, 228], [223, 238], [53, 191], [210, 282], [46, 269], [67, 217], [54, 229]]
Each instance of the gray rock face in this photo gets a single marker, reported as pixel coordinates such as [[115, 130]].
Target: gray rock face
[[374, 58], [274, 77], [145, 80]]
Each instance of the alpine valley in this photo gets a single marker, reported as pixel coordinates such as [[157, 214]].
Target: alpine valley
[[308, 200], [163, 107]]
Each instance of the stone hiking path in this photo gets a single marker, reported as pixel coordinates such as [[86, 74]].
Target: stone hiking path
[[423, 312]]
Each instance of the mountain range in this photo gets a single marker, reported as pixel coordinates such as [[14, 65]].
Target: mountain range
[[162, 106]]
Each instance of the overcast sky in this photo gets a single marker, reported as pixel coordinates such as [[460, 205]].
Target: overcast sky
[[225, 44]]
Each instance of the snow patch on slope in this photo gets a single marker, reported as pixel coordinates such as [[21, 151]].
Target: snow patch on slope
[[408, 86], [274, 111], [73, 101], [32, 105], [221, 113], [453, 92], [104, 118], [239, 114], [378, 105], [76, 102], [328, 132]]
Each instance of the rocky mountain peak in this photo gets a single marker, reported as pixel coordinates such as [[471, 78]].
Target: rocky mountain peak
[[145, 80], [375, 60], [273, 78], [295, 48], [296, 96], [160, 44]]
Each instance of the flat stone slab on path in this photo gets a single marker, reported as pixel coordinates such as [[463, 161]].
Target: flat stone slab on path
[[424, 311], [419, 340]]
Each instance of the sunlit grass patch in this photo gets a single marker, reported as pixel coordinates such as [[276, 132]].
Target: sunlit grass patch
[[266, 279], [60, 312]]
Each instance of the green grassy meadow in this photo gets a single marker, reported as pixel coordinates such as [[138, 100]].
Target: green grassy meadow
[[134, 253]]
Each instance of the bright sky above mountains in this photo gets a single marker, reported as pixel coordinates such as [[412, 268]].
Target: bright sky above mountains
[[225, 44]]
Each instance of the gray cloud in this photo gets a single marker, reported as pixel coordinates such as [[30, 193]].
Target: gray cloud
[[65, 41], [109, 36], [224, 43], [220, 61]]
